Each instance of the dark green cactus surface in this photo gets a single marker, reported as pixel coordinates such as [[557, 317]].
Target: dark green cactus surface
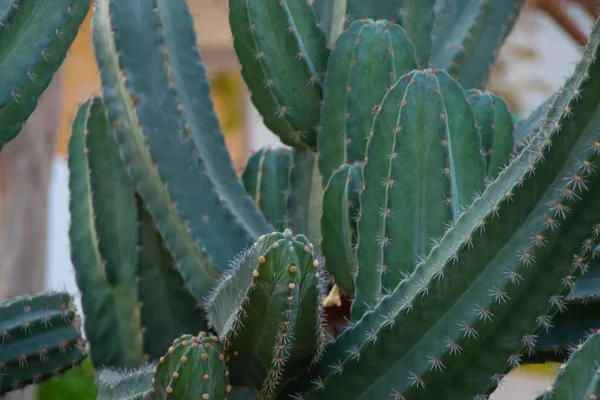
[[192, 368], [424, 166], [496, 125], [34, 39], [579, 377], [368, 59], [267, 311], [284, 56], [40, 337]]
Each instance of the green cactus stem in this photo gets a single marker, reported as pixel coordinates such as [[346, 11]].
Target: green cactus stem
[[496, 126], [468, 49], [193, 368], [267, 179], [116, 384], [579, 377], [368, 58], [40, 337], [34, 39], [424, 166], [284, 55], [465, 316], [267, 310], [341, 205], [104, 236]]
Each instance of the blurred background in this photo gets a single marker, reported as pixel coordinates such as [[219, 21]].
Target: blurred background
[[34, 219]]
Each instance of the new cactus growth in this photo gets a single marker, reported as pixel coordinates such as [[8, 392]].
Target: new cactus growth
[[193, 368], [34, 39], [267, 310], [40, 337]]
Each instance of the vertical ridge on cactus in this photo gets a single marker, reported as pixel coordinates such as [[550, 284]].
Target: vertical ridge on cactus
[[40, 337], [34, 39]]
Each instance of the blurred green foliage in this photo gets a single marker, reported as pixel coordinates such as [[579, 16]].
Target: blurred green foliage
[[77, 384]]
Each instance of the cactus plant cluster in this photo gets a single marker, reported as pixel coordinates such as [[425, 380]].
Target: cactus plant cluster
[[457, 234]]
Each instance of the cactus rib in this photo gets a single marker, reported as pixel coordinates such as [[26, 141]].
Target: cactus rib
[[39, 338], [479, 277], [34, 37]]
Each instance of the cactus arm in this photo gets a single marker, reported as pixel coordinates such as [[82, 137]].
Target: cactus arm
[[168, 309], [34, 37], [337, 226], [418, 19], [305, 199], [266, 310], [496, 125], [425, 117], [266, 178], [283, 55], [193, 265], [468, 36], [193, 87], [463, 283], [193, 368], [579, 377], [529, 126], [40, 337], [368, 58], [112, 316]]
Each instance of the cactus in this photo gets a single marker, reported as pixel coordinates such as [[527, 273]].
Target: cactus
[[578, 378], [114, 384], [40, 337], [439, 188], [496, 125], [34, 39], [454, 277], [275, 41], [368, 58], [267, 311]]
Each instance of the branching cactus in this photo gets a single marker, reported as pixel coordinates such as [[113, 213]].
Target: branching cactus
[[40, 337], [455, 251], [267, 310], [34, 39]]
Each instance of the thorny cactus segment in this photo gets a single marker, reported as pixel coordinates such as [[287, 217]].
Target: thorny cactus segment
[[283, 55], [168, 309], [378, 10], [496, 126], [579, 377], [468, 49], [368, 58], [418, 20], [498, 275], [193, 368], [424, 165], [34, 39], [114, 384], [267, 310], [267, 179], [40, 337], [104, 236], [341, 204]]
